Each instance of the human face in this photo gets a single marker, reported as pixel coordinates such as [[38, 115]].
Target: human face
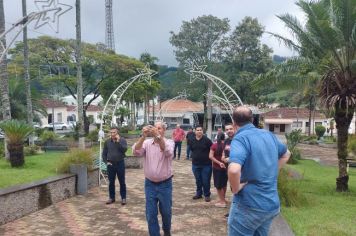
[[229, 129], [199, 132], [160, 128], [113, 133]]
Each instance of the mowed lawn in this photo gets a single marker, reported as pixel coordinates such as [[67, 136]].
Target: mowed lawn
[[328, 212], [36, 167]]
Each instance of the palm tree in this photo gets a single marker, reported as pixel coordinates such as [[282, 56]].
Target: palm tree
[[327, 44], [16, 132]]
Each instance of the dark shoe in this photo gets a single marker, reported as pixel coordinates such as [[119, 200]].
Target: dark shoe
[[123, 202], [110, 201], [197, 197], [167, 234], [207, 199]]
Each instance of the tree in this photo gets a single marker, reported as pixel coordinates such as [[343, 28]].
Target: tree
[[102, 70], [78, 59], [199, 41], [246, 57], [327, 43]]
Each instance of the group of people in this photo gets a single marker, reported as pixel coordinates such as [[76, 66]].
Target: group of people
[[247, 157]]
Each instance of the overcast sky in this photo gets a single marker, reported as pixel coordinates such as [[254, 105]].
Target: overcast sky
[[144, 25]]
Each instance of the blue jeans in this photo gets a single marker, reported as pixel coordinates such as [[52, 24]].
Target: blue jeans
[[249, 221], [117, 169], [177, 145], [158, 194], [188, 151], [202, 176]]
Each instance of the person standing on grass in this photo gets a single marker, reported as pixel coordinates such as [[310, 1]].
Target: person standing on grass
[[178, 137], [113, 155], [158, 155], [201, 164], [256, 155], [219, 169], [190, 135]]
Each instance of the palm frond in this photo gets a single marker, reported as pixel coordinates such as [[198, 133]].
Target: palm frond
[[16, 131]]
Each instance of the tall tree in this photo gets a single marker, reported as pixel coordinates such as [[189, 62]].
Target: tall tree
[[198, 41], [78, 58], [27, 73], [246, 57], [327, 41], [4, 83], [4, 87]]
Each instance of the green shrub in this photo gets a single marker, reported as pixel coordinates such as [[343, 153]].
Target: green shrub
[[293, 138], [313, 142], [288, 191], [31, 150], [93, 135], [48, 136], [352, 144], [76, 156], [320, 131], [124, 130], [2, 149]]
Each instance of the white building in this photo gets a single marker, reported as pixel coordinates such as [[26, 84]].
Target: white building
[[284, 120], [69, 100], [65, 113]]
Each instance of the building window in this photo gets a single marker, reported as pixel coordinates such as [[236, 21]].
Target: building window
[[307, 124], [173, 119], [297, 124], [186, 121]]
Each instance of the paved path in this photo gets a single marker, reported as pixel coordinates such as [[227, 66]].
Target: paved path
[[326, 156], [88, 215]]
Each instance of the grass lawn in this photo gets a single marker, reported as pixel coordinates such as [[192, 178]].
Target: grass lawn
[[328, 212], [36, 168]]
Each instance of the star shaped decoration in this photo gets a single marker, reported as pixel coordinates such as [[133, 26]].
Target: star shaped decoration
[[195, 71], [52, 11], [146, 73]]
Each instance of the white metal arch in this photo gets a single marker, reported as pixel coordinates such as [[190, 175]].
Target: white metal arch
[[228, 95], [114, 100], [164, 108]]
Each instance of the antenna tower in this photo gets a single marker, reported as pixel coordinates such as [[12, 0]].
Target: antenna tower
[[109, 30]]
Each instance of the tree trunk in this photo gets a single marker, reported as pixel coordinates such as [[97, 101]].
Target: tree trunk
[[27, 74], [145, 110], [209, 109], [17, 158], [343, 119], [78, 58], [310, 114], [4, 82]]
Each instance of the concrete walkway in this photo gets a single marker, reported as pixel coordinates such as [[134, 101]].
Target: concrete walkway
[[88, 215]]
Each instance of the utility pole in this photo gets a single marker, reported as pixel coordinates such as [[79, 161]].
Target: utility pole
[[109, 30], [209, 109], [78, 56]]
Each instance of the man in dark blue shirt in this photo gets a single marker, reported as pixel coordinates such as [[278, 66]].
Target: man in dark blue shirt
[[256, 155], [113, 155]]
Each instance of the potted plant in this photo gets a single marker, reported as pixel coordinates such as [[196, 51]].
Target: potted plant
[[16, 132], [79, 162]]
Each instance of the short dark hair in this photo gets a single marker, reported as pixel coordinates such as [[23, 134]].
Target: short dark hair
[[242, 115], [199, 126], [115, 127]]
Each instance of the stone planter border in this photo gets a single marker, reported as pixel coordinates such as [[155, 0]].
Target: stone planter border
[[20, 200]]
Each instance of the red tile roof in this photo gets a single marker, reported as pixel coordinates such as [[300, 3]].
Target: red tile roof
[[48, 103], [291, 113], [179, 106]]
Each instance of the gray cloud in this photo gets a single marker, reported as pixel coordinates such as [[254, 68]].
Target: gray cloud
[[144, 25]]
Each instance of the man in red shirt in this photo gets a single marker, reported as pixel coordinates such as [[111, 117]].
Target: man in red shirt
[[178, 136]]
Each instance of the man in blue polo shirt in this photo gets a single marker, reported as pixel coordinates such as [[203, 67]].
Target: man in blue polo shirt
[[256, 155]]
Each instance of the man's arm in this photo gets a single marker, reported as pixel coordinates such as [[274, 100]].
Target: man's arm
[[283, 159], [104, 154], [139, 143], [123, 145], [234, 174]]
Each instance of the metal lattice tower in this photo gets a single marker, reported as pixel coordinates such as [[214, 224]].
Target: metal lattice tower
[[109, 30]]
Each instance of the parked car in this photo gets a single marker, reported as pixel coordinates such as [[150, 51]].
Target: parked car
[[57, 126]]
